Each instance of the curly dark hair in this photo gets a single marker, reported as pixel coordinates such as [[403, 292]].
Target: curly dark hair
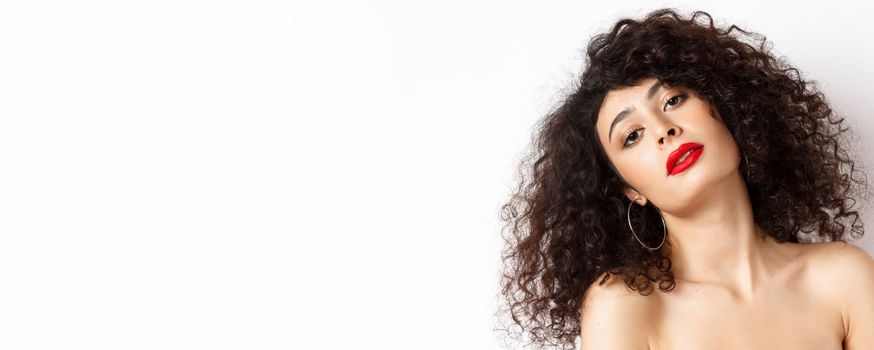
[[564, 225]]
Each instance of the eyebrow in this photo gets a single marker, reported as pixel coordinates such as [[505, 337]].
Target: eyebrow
[[625, 112]]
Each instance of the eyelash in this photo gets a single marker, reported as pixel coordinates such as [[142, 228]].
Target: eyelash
[[625, 144]]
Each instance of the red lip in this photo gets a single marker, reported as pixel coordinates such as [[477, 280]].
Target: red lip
[[679, 152]]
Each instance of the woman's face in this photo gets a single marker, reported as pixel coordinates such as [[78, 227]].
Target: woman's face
[[654, 121]]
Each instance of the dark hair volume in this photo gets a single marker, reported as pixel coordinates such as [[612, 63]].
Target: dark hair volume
[[565, 223]]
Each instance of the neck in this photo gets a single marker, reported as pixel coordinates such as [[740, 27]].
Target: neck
[[718, 242]]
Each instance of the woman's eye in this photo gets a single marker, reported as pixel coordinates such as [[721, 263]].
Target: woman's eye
[[630, 136], [677, 99], [633, 135]]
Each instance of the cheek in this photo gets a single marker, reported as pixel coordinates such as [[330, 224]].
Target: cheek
[[641, 171], [725, 137]]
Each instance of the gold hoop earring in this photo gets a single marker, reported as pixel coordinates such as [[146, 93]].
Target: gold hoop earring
[[664, 227]]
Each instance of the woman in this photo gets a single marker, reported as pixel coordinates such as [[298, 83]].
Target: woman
[[693, 161]]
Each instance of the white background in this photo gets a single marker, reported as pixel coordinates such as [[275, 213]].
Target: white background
[[281, 175]]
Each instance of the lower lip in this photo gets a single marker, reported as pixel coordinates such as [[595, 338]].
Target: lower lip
[[688, 162]]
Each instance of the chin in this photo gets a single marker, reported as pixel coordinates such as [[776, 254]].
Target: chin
[[698, 181]]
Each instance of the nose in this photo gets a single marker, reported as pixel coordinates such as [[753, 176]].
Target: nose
[[672, 132], [666, 131]]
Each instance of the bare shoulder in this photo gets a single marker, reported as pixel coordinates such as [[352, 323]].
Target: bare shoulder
[[833, 265], [614, 317], [846, 272], [839, 259]]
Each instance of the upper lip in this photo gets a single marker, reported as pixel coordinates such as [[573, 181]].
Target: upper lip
[[679, 152]]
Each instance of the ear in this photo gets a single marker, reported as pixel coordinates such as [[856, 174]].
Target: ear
[[715, 112], [633, 195]]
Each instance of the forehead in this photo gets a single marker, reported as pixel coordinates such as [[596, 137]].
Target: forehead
[[617, 100]]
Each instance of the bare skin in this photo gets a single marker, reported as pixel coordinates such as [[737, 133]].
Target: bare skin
[[734, 288], [706, 208], [798, 307], [790, 310]]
